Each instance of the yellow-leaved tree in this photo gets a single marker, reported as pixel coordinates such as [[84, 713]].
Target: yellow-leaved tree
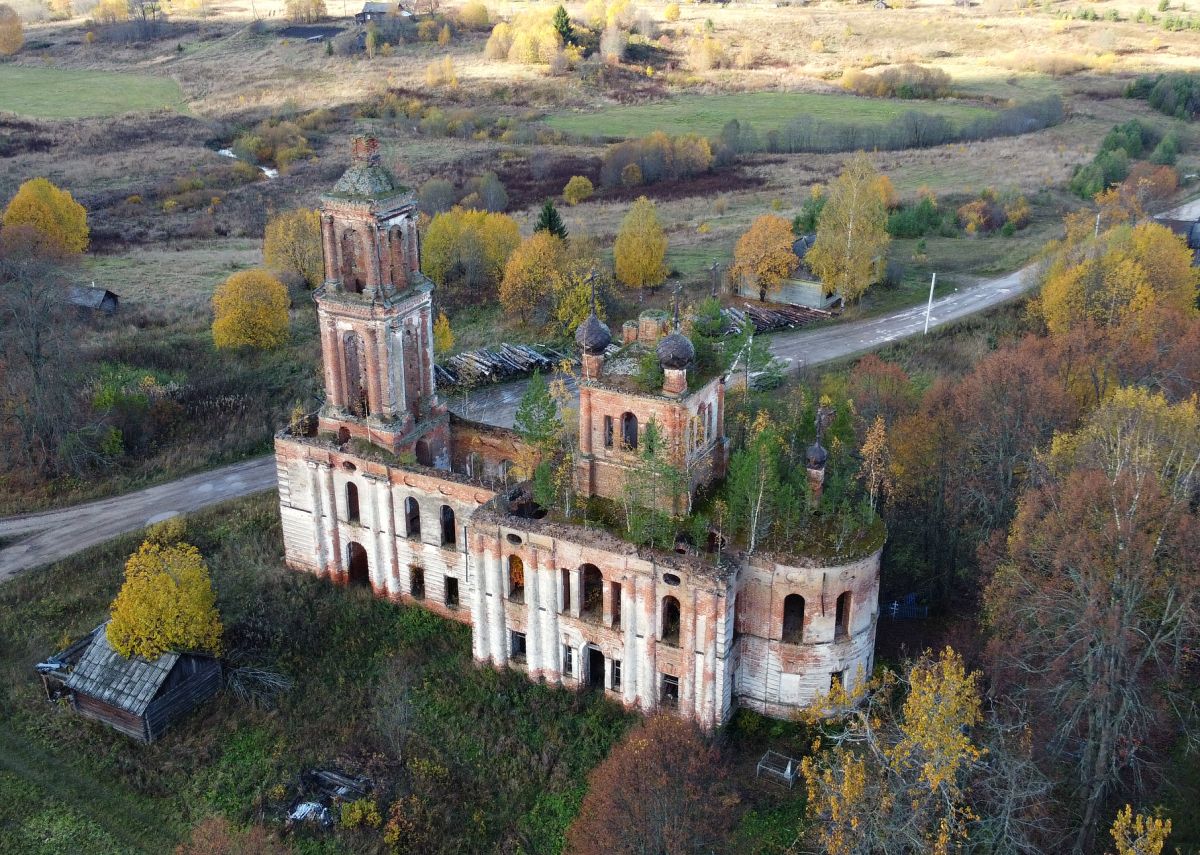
[[292, 245], [530, 274], [443, 336], [1139, 834], [763, 256], [60, 221], [11, 34], [250, 309], [1124, 273], [464, 252], [578, 189], [166, 603], [641, 247], [900, 777], [852, 238]]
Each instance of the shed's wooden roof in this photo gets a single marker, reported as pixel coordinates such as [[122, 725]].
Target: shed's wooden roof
[[106, 675]]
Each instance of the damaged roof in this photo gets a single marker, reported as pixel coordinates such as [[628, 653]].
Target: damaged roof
[[129, 684]]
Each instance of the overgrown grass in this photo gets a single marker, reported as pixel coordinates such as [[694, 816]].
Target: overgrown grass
[[379, 688], [707, 114], [58, 93]]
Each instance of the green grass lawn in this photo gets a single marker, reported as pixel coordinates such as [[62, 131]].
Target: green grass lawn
[[56, 93], [706, 114]]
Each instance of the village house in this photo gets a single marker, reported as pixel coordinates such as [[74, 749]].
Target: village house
[[803, 288], [389, 490]]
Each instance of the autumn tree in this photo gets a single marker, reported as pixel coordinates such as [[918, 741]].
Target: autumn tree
[[549, 219], [292, 246], [166, 603], [879, 388], [1105, 280], [60, 221], [250, 309], [1139, 834], [754, 485], [852, 237], [465, 251], [641, 247], [40, 364], [663, 789], [764, 255], [914, 765], [1098, 592], [876, 462], [578, 189], [530, 273], [12, 36], [443, 336]]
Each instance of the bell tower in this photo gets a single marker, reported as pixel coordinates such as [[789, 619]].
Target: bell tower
[[375, 315]]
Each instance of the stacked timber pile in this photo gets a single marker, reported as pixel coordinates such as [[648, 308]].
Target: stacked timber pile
[[773, 318], [493, 365]]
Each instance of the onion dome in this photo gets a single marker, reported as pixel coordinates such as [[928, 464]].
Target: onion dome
[[593, 336], [816, 455], [676, 351]]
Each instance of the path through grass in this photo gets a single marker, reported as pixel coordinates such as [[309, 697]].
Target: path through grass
[[707, 114], [58, 93]]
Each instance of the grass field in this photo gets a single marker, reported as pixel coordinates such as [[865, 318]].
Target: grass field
[[55, 93], [706, 114]]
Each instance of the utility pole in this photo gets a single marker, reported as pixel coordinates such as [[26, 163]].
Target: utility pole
[[929, 307]]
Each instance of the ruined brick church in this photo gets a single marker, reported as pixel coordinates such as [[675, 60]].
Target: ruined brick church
[[390, 489]]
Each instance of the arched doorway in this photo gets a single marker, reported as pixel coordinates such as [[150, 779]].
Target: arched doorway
[[353, 278], [595, 668], [629, 431], [359, 571], [793, 619]]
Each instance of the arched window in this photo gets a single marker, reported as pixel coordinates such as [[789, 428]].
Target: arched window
[[356, 561], [351, 502], [591, 603], [516, 579], [842, 616], [629, 431], [412, 518], [670, 621], [354, 278], [448, 534], [793, 618]]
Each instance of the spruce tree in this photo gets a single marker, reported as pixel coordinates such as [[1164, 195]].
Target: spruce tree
[[562, 23], [549, 220]]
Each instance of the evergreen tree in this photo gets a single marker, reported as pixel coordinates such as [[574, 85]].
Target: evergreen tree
[[537, 420], [549, 220], [562, 24]]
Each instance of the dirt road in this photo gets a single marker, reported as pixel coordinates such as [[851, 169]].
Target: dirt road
[[36, 539]]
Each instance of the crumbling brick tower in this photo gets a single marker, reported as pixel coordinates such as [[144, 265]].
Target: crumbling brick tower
[[375, 316]]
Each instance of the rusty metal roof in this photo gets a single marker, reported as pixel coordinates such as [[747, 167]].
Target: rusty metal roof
[[106, 675]]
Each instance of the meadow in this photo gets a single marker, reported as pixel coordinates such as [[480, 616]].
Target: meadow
[[765, 111], [62, 93]]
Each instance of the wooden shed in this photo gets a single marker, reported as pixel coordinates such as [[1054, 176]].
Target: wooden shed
[[93, 299], [138, 697]]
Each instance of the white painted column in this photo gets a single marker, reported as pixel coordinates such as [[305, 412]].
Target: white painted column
[[576, 592], [533, 634], [549, 587], [496, 622], [379, 569], [316, 503], [647, 608], [329, 514], [479, 624], [630, 673]]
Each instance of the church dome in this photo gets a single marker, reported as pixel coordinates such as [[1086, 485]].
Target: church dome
[[593, 336], [676, 351], [816, 455]]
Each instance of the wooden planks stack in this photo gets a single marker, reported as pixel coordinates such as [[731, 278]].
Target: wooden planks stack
[[774, 318], [493, 365]]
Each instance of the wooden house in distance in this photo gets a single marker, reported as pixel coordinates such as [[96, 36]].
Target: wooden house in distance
[[138, 697]]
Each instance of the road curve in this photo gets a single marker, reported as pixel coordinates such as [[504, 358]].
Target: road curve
[[42, 538]]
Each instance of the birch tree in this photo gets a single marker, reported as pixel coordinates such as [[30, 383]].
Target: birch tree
[[852, 237]]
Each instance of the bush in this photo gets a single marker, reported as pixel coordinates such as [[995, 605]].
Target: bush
[[657, 157], [916, 221], [706, 52], [11, 34], [905, 81], [1167, 150], [671, 13], [441, 72], [251, 310], [474, 16], [435, 196], [578, 189]]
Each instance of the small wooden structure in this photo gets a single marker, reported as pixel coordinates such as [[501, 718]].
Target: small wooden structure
[[779, 767], [504, 362], [802, 289], [138, 697], [93, 299]]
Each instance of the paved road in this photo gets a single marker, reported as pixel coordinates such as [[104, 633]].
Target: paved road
[[46, 537]]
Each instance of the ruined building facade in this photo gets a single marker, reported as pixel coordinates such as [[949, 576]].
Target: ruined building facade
[[389, 489]]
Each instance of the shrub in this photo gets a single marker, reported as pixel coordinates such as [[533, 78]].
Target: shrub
[[656, 156], [11, 34], [59, 221], [981, 216], [441, 72], [671, 13], [435, 196], [631, 175], [250, 310], [613, 43], [292, 245], [578, 189], [904, 81], [1167, 150], [474, 16], [915, 221], [705, 52]]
